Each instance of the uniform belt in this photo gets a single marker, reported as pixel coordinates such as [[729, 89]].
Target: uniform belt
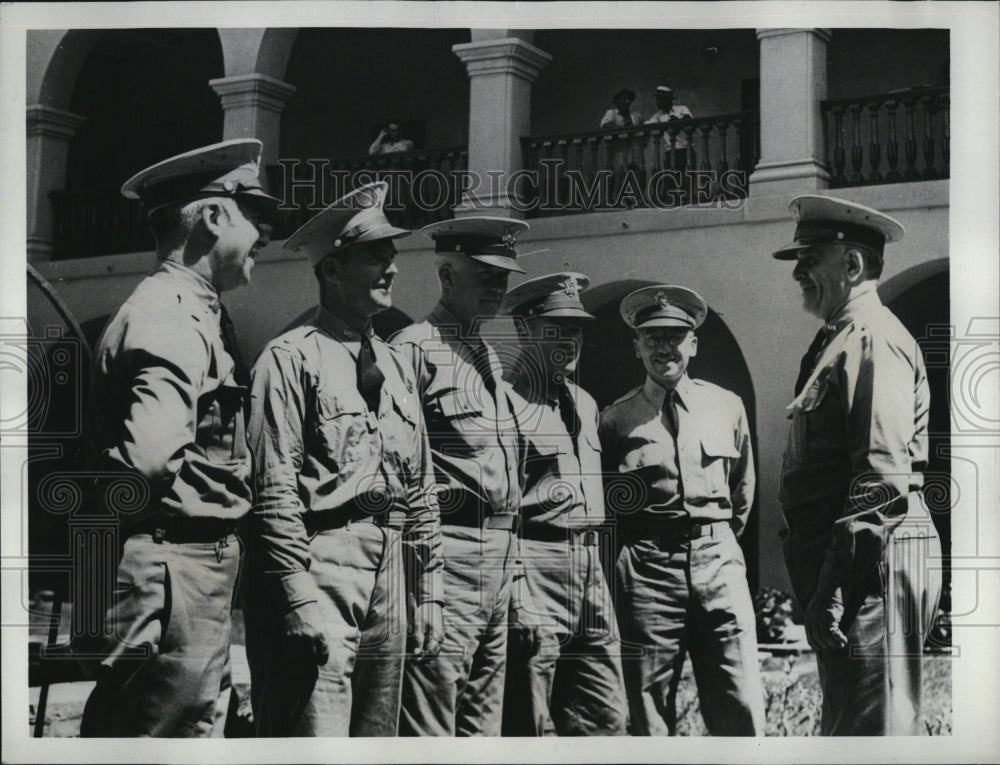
[[671, 533], [505, 522], [179, 529], [580, 535], [340, 518]]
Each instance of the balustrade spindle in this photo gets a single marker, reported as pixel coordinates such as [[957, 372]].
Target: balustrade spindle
[[910, 147], [929, 103], [892, 149], [595, 155], [874, 147], [857, 153], [722, 166], [946, 137], [657, 134], [839, 153]]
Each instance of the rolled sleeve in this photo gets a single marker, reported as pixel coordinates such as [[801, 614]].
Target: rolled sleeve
[[742, 478]]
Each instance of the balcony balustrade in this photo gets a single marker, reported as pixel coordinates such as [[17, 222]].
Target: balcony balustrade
[[702, 161], [424, 185], [97, 220], [895, 137]]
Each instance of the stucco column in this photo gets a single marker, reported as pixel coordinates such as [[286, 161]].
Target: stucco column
[[792, 84], [252, 104], [49, 132], [500, 75]]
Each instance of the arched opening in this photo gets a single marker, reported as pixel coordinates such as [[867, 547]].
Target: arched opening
[[145, 96], [920, 299], [609, 369]]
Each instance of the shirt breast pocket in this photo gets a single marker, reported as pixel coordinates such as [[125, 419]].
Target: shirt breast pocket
[[400, 438], [807, 413], [718, 451], [460, 413], [221, 429], [346, 429]]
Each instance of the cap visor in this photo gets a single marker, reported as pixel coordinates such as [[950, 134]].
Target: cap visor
[[790, 251], [566, 313], [499, 261], [665, 322], [268, 206], [383, 231]]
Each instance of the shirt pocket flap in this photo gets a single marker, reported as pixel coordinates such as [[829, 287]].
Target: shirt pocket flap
[[405, 407], [544, 446], [344, 409], [718, 442], [459, 404], [592, 440]]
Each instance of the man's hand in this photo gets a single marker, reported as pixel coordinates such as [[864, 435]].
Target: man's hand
[[301, 633], [823, 617], [425, 631]]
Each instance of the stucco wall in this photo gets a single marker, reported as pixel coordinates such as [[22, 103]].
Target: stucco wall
[[723, 254]]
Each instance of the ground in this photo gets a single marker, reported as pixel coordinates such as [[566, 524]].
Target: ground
[[793, 698]]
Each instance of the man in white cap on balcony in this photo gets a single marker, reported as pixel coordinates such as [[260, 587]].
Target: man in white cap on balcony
[[345, 497], [679, 480], [467, 409], [572, 684], [862, 551], [167, 404], [668, 111]]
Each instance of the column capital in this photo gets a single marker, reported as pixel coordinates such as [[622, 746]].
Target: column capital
[[824, 34], [507, 56], [52, 123], [252, 90]]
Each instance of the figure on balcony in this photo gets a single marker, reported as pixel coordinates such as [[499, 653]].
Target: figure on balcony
[[572, 684], [862, 551], [676, 147], [626, 151], [390, 140], [167, 404], [345, 501], [679, 481], [622, 115]]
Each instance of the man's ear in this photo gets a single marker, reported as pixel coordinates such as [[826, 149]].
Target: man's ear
[[855, 265], [330, 269], [444, 275], [635, 347], [694, 345], [214, 216]]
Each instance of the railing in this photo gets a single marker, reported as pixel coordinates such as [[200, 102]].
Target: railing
[[97, 220], [867, 137], [424, 185], [642, 165]]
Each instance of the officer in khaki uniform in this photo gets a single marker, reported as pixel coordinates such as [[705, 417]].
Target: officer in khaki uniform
[[571, 683], [167, 404], [679, 481], [345, 497], [862, 551], [467, 408]]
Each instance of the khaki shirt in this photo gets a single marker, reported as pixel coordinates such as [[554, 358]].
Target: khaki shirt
[[472, 434], [706, 474], [163, 402], [320, 450], [562, 473], [857, 445]]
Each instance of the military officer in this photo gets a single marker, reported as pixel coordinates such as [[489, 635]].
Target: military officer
[[862, 552], [166, 405], [474, 445], [680, 448], [572, 685], [344, 497]]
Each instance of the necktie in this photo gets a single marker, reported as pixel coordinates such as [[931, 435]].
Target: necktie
[[481, 361], [626, 119], [570, 418], [240, 371], [370, 377], [809, 360], [670, 410]]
